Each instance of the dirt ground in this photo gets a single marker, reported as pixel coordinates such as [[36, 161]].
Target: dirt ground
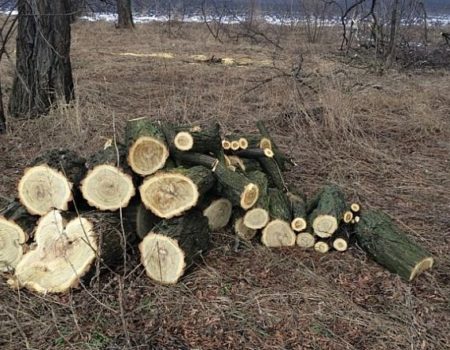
[[385, 138]]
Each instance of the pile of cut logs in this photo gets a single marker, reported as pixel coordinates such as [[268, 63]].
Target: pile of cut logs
[[76, 216]]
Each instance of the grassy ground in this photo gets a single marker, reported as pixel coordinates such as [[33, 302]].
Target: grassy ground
[[383, 138]]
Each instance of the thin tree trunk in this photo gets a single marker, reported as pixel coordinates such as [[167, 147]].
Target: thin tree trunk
[[2, 113], [124, 13], [43, 69], [393, 34]]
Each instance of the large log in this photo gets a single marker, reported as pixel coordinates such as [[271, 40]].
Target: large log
[[390, 247], [236, 187], [147, 148], [325, 218], [48, 183], [16, 227], [305, 240], [171, 193], [65, 252], [173, 246], [108, 184]]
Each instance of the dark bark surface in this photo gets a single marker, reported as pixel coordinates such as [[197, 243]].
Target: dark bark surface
[[125, 16], [43, 68]]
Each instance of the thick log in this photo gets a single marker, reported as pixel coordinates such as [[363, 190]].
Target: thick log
[[173, 246], [51, 181], [240, 229], [108, 184], [170, 193], [390, 247], [66, 253], [140, 219], [147, 148], [218, 212], [299, 216], [236, 187], [325, 218]]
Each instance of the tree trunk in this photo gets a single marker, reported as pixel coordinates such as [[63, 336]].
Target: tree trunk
[[125, 16], [43, 69], [393, 34], [2, 113]]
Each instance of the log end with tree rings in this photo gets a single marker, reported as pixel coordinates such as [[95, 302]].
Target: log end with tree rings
[[226, 145], [278, 233], [234, 145], [355, 207], [243, 143], [325, 225], [63, 254], [242, 231], [249, 196], [183, 141], [265, 143], [218, 213], [321, 247], [348, 217], [147, 155], [162, 257], [12, 239], [340, 244], [305, 240], [42, 188], [299, 224], [107, 188], [169, 194], [268, 153], [256, 218]]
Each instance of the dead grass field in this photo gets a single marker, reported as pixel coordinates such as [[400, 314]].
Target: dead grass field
[[384, 138]]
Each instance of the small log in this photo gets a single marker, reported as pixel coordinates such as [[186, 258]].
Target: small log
[[108, 184], [329, 211], [197, 139], [147, 148], [48, 183], [322, 246], [218, 212], [66, 252], [191, 158], [347, 217], [305, 240], [341, 239], [226, 145], [173, 246], [390, 247], [234, 145], [267, 142], [170, 193], [258, 217], [273, 171], [298, 205], [241, 230], [280, 207], [355, 208], [254, 153], [236, 187]]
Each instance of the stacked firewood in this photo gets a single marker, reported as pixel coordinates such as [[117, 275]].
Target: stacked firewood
[[169, 186]]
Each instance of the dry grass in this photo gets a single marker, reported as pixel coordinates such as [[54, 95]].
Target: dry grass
[[384, 139]]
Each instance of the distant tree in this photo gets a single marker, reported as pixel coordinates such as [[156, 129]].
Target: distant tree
[[43, 69], [124, 13]]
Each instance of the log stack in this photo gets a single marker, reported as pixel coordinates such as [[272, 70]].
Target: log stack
[[168, 187]]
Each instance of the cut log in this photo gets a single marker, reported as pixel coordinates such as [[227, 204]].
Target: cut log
[[173, 246], [236, 187], [191, 158], [348, 216], [108, 184], [267, 142], [279, 205], [390, 247], [170, 193], [218, 212], [140, 219], [321, 247], [329, 211], [273, 171], [197, 139], [237, 162], [147, 148], [254, 153], [241, 230], [234, 145], [278, 233], [65, 253], [16, 226], [298, 205], [49, 181], [305, 240], [342, 238], [226, 145], [258, 217], [355, 208]]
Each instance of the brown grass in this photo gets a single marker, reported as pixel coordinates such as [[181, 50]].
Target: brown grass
[[384, 139]]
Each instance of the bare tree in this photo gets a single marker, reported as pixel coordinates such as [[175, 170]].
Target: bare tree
[[43, 68], [125, 16]]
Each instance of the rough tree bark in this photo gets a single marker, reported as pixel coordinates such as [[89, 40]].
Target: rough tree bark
[[125, 16], [2, 113], [43, 69]]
